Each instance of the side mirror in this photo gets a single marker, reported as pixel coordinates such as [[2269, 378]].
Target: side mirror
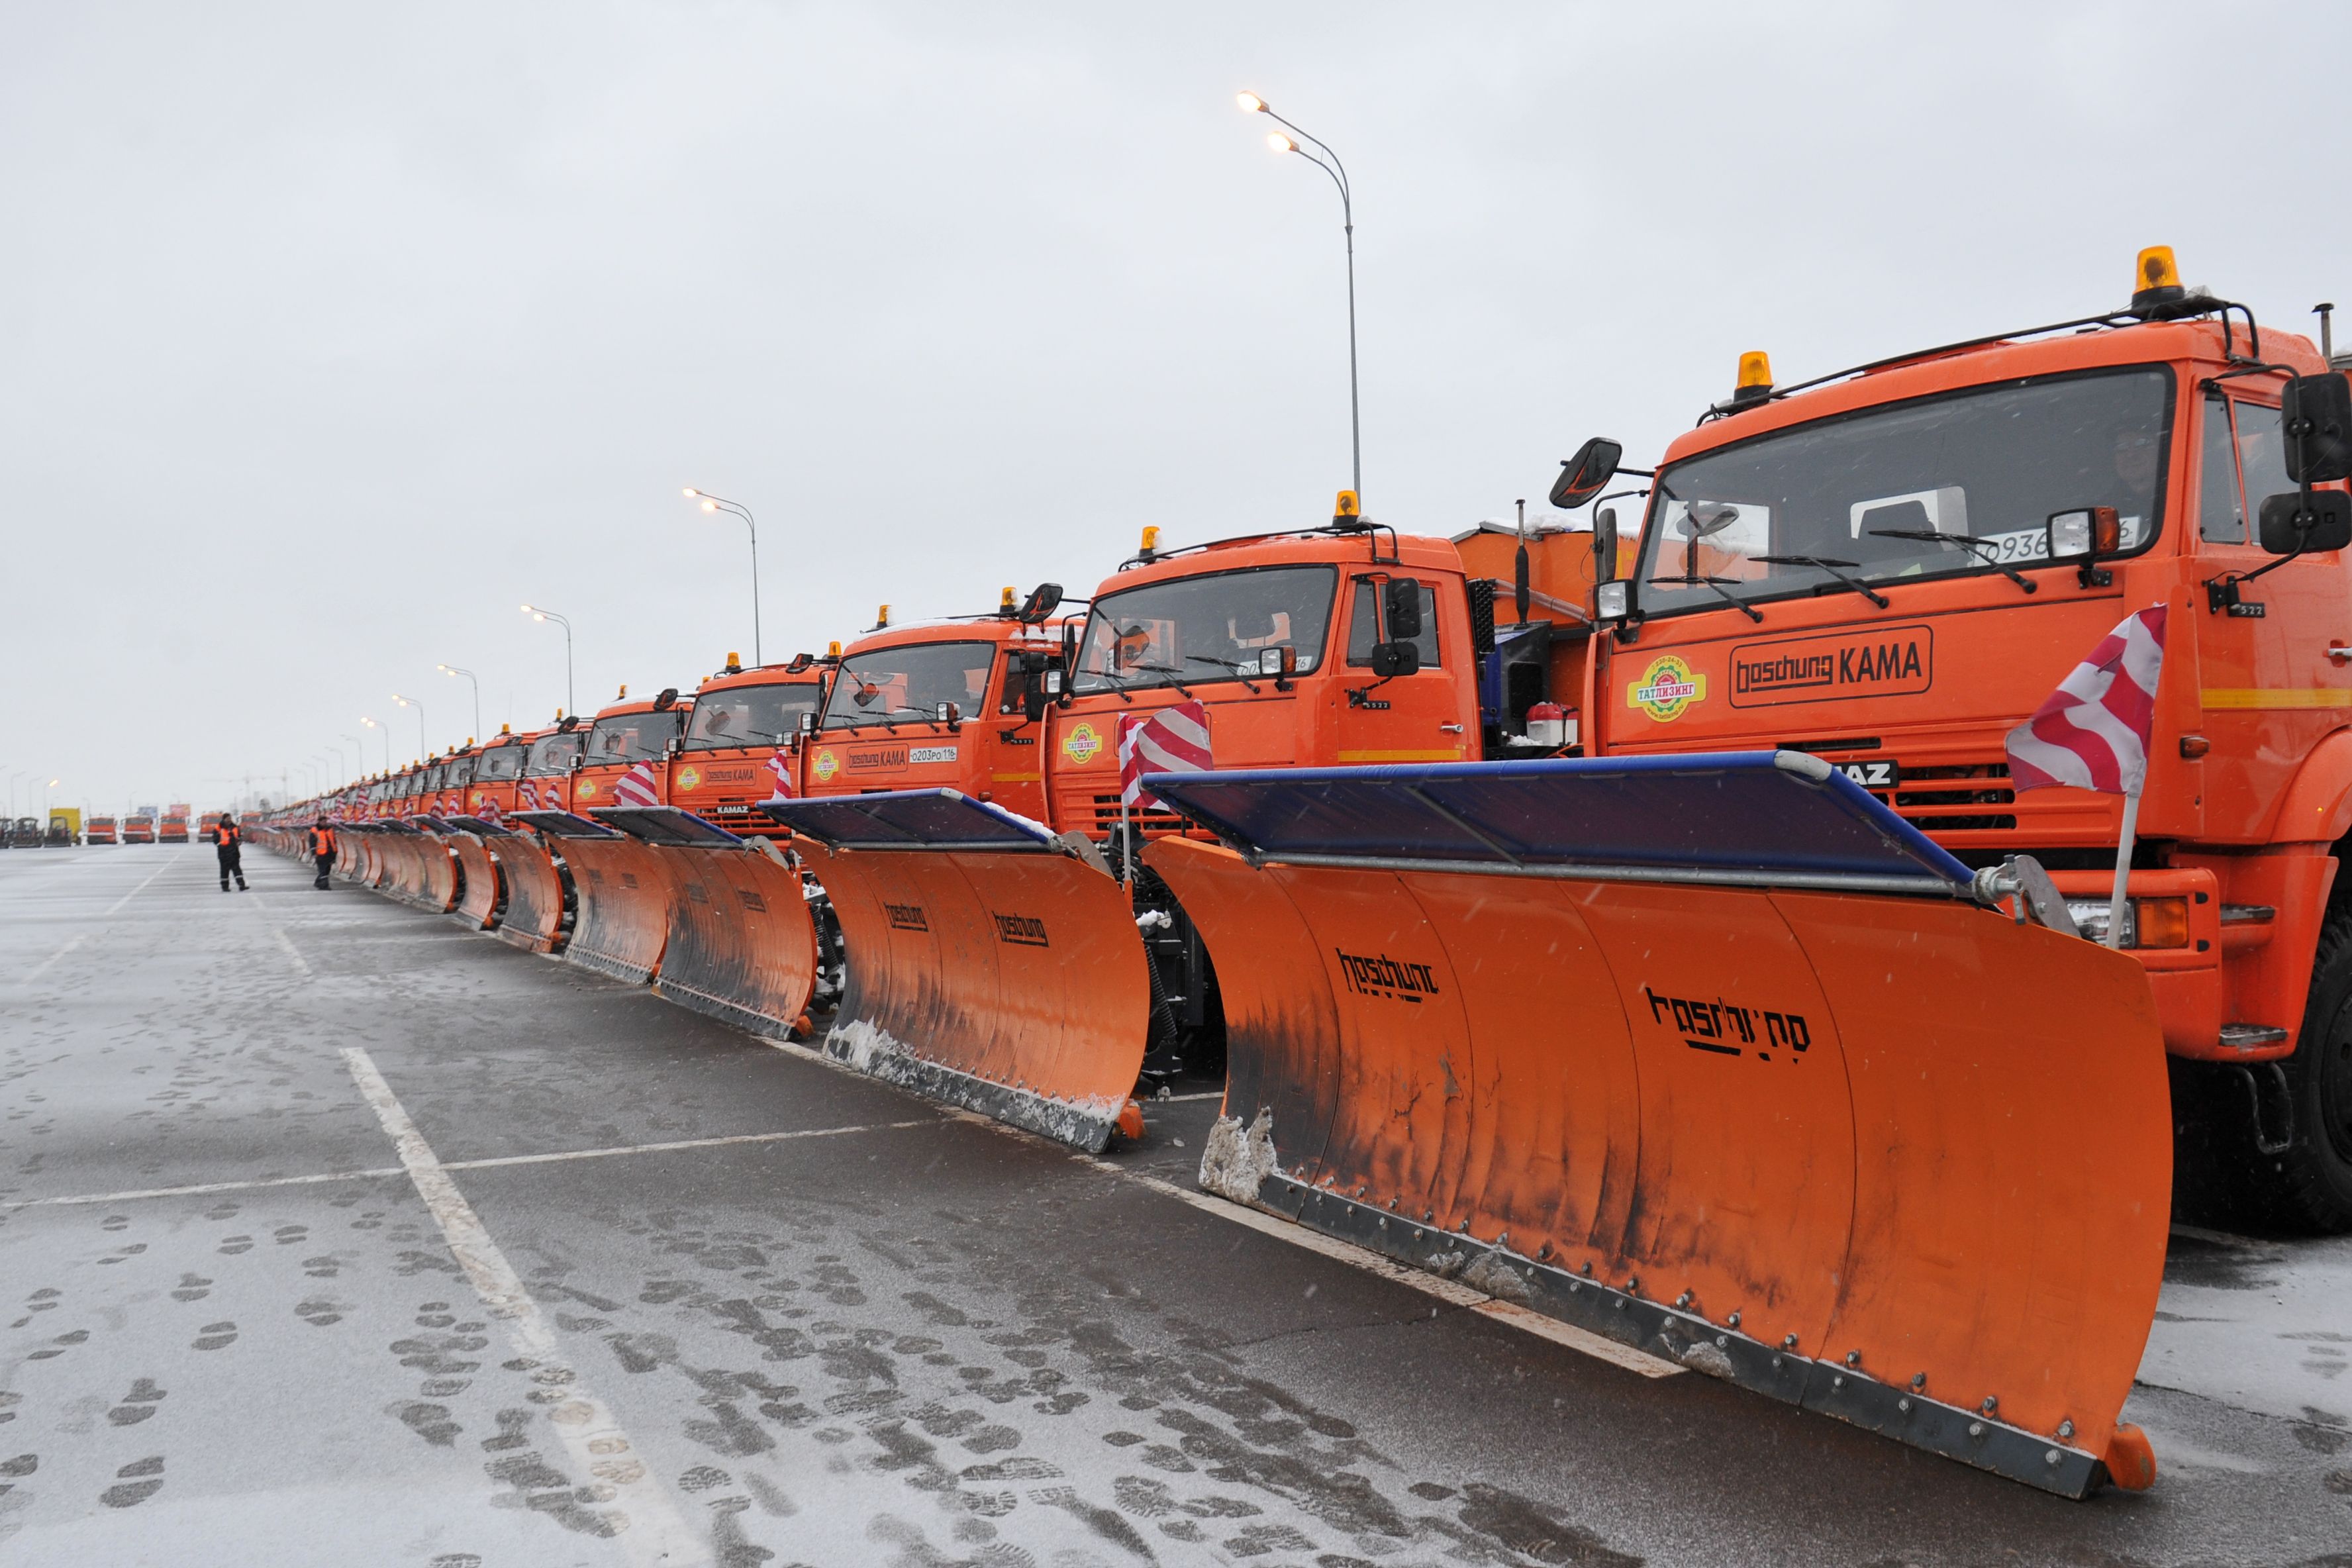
[[1033, 697], [2288, 530], [1710, 517], [1043, 600], [1394, 659], [1604, 545], [1588, 473], [2315, 417], [1401, 608], [666, 699]]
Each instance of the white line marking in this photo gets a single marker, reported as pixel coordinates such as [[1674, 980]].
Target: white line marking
[[288, 943], [137, 890], [43, 967], [203, 1188], [652, 1529]]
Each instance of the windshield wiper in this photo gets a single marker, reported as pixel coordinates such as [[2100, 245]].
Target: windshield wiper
[[1241, 671], [1742, 606], [1829, 565], [1984, 550], [1165, 669]]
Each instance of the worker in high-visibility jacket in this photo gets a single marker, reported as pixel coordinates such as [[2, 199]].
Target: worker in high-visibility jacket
[[323, 850], [227, 845]]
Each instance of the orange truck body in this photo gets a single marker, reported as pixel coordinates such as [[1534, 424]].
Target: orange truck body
[[742, 742], [100, 830], [2248, 800], [175, 826]]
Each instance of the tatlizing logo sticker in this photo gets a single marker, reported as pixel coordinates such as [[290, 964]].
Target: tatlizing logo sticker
[[827, 764], [1666, 689], [688, 779], [1081, 744]]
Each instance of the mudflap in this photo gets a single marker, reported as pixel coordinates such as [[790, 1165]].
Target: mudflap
[[987, 966], [1890, 1157], [478, 881], [742, 947], [533, 917]]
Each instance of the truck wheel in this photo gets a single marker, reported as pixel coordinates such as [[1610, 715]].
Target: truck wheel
[[2315, 1175]]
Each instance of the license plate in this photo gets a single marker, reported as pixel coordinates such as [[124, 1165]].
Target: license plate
[[1872, 776]]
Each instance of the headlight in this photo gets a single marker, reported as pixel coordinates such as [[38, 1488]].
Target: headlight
[[2070, 535], [1609, 601]]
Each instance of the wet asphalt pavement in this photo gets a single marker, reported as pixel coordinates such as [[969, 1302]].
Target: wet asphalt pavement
[[331, 1233]]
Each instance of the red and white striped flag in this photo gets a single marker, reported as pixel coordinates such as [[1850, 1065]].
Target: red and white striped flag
[[2092, 732], [1172, 741], [527, 797], [639, 787], [781, 774], [489, 813]]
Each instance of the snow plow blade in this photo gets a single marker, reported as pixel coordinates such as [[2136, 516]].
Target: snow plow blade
[[620, 893], [1711, 1054], [437, 869], [741, 945], [535, 907], [989, 964], [479, 893]]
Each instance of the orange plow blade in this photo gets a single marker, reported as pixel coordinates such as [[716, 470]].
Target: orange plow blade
[[533, 917], [437, 870], [1799, 1112], [741, 944], [478, 884], [989, 965], [622, 896]]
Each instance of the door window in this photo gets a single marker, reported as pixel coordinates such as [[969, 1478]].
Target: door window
[[1363, 630], [2220, 515], [2261, 454]]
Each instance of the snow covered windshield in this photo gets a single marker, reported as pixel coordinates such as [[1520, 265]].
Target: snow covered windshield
[[1212, 627], [907, 683], [749, 715], [1951, 484]]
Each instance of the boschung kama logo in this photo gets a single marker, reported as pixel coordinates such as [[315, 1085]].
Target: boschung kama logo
[[1378, 974]]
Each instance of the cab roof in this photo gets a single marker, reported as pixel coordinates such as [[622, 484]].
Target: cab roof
[[1375, 546], [1003, 631], [810, 674]]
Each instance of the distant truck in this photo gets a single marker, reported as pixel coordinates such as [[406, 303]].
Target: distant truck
[[174, 830], [139, 827], [25, 834], [99, 831], [65, 827]]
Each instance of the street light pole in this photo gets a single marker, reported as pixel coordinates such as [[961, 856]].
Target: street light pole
[[412, 703], [359, 751], [1252, 103], [339, 760], [720, 503], [537, 614], [451, 670]]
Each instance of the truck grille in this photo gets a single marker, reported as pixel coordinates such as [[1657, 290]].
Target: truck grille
[[1977, 784]]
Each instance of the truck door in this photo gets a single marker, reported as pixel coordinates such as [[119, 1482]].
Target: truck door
[[1416, 718], [2270, 690]]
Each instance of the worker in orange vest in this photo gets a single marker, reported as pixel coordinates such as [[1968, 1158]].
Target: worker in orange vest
[[322, 851], [227, 845]]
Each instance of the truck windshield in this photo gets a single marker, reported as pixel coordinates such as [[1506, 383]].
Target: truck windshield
[[749, 715], [551, 756], [498, 763], [1210, 628], [632, 737], [460, 773], [907, 683], [1889, 494]]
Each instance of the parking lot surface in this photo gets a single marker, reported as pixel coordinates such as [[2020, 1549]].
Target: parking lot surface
[[331, 1233]]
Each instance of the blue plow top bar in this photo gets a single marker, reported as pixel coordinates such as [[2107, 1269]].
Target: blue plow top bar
[[563, 825], [909, 819], [666, 825], [1763, 819]]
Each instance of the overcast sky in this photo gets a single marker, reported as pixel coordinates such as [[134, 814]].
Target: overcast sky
[[330, 334]]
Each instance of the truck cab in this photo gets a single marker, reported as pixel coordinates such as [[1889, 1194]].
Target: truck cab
[[742, 741], [139, 827], [547, 765], [174, 828], [624, 735], [1892, 568], [100, 830], [940, 704], [1283, 639], [497, 773]]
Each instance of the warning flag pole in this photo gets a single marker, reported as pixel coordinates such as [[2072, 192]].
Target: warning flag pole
[[2123, 869], [1126, 842]]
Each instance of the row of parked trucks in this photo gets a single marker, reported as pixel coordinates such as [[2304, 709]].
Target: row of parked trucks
[[1639, 920]]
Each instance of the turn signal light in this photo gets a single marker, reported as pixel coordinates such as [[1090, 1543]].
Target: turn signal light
[[2163, 923], [2194, 746]]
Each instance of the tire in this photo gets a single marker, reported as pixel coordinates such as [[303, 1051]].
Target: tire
[[2220, 1175]]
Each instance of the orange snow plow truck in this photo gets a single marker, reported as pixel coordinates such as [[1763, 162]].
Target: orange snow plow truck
[[1679, 959]]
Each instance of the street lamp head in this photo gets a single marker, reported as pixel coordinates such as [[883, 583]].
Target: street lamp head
[[710, 506], [691, 492], [1280, 142], [528, 610], [1251, 103], [539, 615], [445, 670]]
